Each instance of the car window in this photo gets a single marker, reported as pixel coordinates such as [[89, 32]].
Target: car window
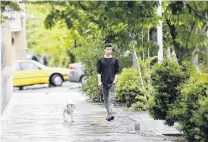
[[29, 66], [39, 65], [17, 67]]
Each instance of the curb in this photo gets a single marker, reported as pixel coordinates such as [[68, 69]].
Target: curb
[[133, 124]]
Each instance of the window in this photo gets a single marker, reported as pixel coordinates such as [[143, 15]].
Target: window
[[12, 40], [29, 66], [17, 67]]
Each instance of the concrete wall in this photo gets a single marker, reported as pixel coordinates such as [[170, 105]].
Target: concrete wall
[[20, 37], [13, 37], [6, 71], [17, 24]]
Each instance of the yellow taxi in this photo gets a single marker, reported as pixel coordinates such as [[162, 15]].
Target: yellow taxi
[[30, 72]]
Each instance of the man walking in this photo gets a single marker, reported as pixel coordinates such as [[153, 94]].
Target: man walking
[[108, 69]]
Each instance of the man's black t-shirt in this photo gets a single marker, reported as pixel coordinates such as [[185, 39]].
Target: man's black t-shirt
[[108, 68]]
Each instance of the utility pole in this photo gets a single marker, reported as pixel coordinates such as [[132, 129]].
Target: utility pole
[[160, 34]]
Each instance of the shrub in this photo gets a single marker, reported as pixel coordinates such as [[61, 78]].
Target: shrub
[[89, 61], [91, 88], [191, 109], [204, 68], [166, 77], [141, 100], [129, 89]]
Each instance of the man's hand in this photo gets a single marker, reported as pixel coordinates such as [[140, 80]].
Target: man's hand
[[99, 84], [99, 80], [116, 76]]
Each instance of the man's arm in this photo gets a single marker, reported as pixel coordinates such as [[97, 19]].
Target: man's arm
[[116, 76], [99, 79], [99, 70], [117, 71]]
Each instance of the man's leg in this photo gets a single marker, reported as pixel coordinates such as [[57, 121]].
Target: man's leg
[[105, 91], [112, 96]]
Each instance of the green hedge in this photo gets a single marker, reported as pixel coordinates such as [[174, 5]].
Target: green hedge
[[91, 88], [191, 109], [166, 77], [129, 89]]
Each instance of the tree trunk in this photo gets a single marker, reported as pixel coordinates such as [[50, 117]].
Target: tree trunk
[[148, 56], [160, 34], [168, 54], [178, 49], [149, 75], [207, 36], [196, 61], [137, 65], [173, 54], [143, 45]]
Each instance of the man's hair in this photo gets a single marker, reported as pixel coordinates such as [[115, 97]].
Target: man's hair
[[108, 45]]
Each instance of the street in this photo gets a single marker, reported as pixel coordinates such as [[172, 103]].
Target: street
[[35, 115]]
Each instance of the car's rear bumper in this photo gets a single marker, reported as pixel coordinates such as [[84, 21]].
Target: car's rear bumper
[[74, 76]]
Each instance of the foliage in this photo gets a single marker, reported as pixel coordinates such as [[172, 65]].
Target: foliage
[[141, 101], [187, 25], [166, 77], [88, 54], [203, 68], [50, 42], [91, 88], [191, 109], [129, 89], [113, 18]]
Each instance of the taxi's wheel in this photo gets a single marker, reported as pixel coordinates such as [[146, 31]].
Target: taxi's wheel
[[21, 88], [57, 80]]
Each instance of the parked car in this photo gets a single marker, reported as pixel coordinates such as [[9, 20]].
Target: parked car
[[76, 73], [30, 72]]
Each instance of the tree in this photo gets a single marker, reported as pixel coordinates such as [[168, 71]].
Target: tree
[[50, 42], [187, 25], [114, 20]]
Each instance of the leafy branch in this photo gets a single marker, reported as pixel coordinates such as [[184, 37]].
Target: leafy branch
[[192, 27], [196, 12]]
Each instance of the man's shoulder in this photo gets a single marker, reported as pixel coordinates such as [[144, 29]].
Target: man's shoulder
[[114, 58], [101, 58]]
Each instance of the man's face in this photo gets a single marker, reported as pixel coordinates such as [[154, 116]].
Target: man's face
[[108, 50]]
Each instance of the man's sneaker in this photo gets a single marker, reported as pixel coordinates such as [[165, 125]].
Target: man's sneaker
[[110, 117]]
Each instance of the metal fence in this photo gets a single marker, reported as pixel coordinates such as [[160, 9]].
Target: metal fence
[[3, 56]]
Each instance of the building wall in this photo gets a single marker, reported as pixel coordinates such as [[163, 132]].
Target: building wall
[[20, 37], [6, 69], [17, 23], [13, 39]]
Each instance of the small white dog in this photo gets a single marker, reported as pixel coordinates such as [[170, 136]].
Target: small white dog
[[68, 110]]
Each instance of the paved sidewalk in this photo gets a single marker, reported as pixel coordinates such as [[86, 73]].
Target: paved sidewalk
[[153, 128], [37, 117]]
